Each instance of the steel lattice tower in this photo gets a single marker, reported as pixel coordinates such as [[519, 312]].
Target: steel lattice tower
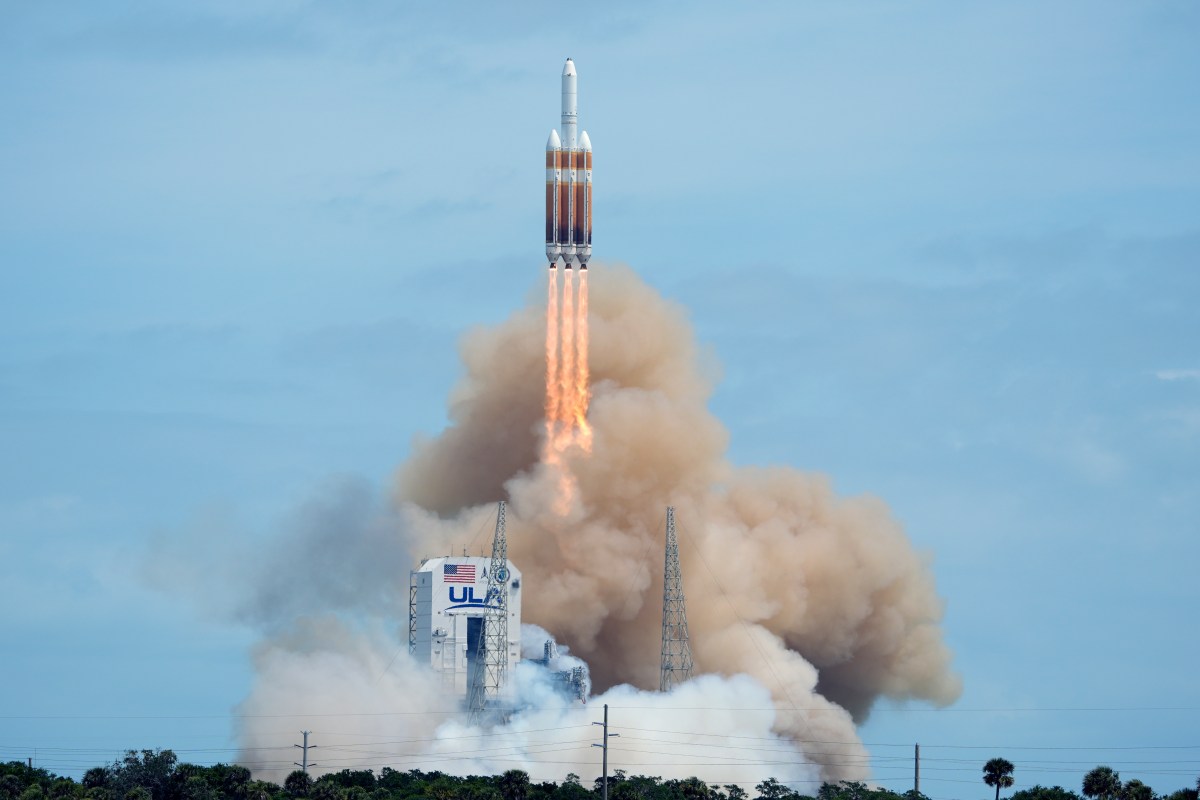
[[491, 668], [676, 649]]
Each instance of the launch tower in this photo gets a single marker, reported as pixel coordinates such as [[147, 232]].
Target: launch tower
[[492, 651]]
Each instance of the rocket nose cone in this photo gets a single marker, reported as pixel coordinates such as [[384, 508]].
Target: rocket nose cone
[[553, 143], [585, 143], [569, 68]]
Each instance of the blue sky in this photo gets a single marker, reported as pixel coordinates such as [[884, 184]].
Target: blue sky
[[946, 253]]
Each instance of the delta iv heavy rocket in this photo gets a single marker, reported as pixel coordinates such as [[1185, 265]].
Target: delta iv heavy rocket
[[569, 185]]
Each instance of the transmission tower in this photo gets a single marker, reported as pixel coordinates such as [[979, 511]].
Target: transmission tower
[[491, 656], [676, 649], [303, 763]]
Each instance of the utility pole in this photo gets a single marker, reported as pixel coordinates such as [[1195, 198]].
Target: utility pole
[[604, 747], [917, 771], [303, 762]]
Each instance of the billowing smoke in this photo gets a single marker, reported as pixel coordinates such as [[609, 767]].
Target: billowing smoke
[[804, 608], [370, 707]]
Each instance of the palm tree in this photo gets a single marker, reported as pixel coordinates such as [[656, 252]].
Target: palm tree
[[298, 783], [1102, 783], [998, 772], [514, 784], [1136, 790]]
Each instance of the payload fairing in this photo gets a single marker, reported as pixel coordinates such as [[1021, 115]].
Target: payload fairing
[[569, 184]]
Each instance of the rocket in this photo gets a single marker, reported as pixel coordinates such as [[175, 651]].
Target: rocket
[[569, 184]]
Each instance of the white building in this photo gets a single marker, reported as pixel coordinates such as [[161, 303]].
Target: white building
[[446, 604]]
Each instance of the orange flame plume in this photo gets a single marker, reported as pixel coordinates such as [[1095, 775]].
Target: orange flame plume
[[582, 390], [566, 383], [550, 455], [567, 378]]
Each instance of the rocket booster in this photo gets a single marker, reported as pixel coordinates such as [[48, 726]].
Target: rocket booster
[[569, 184]]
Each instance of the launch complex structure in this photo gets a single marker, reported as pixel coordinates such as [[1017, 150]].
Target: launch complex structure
[[464, 619]]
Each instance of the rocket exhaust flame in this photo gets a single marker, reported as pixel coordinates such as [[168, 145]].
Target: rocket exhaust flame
[[567, 378], [552, 368], [566, 383], [582, 375]]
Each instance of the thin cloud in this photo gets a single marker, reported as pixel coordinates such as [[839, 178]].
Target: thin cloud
[[1178, 374]]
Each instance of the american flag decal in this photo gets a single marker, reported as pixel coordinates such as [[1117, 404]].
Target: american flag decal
[[458, 573]]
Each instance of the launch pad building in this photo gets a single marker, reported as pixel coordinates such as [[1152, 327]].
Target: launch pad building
[[447, 602]]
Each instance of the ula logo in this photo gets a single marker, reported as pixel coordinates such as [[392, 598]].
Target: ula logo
[[465, 598]]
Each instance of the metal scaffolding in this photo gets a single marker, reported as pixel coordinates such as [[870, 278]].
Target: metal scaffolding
[[676, 649], [491, 656]]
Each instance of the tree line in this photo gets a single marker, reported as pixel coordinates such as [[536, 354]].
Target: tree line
[[157, 775], [1101, 783]]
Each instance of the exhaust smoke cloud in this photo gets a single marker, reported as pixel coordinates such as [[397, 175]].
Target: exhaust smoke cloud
[[804, 607]]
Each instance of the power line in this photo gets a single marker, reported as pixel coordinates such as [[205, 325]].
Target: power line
[[450, 712]]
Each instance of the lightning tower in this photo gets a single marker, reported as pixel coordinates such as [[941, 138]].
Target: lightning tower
[[676, 649], [491, 654]]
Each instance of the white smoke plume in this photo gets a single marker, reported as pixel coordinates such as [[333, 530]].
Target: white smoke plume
[[804, 607], [370, 706]]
